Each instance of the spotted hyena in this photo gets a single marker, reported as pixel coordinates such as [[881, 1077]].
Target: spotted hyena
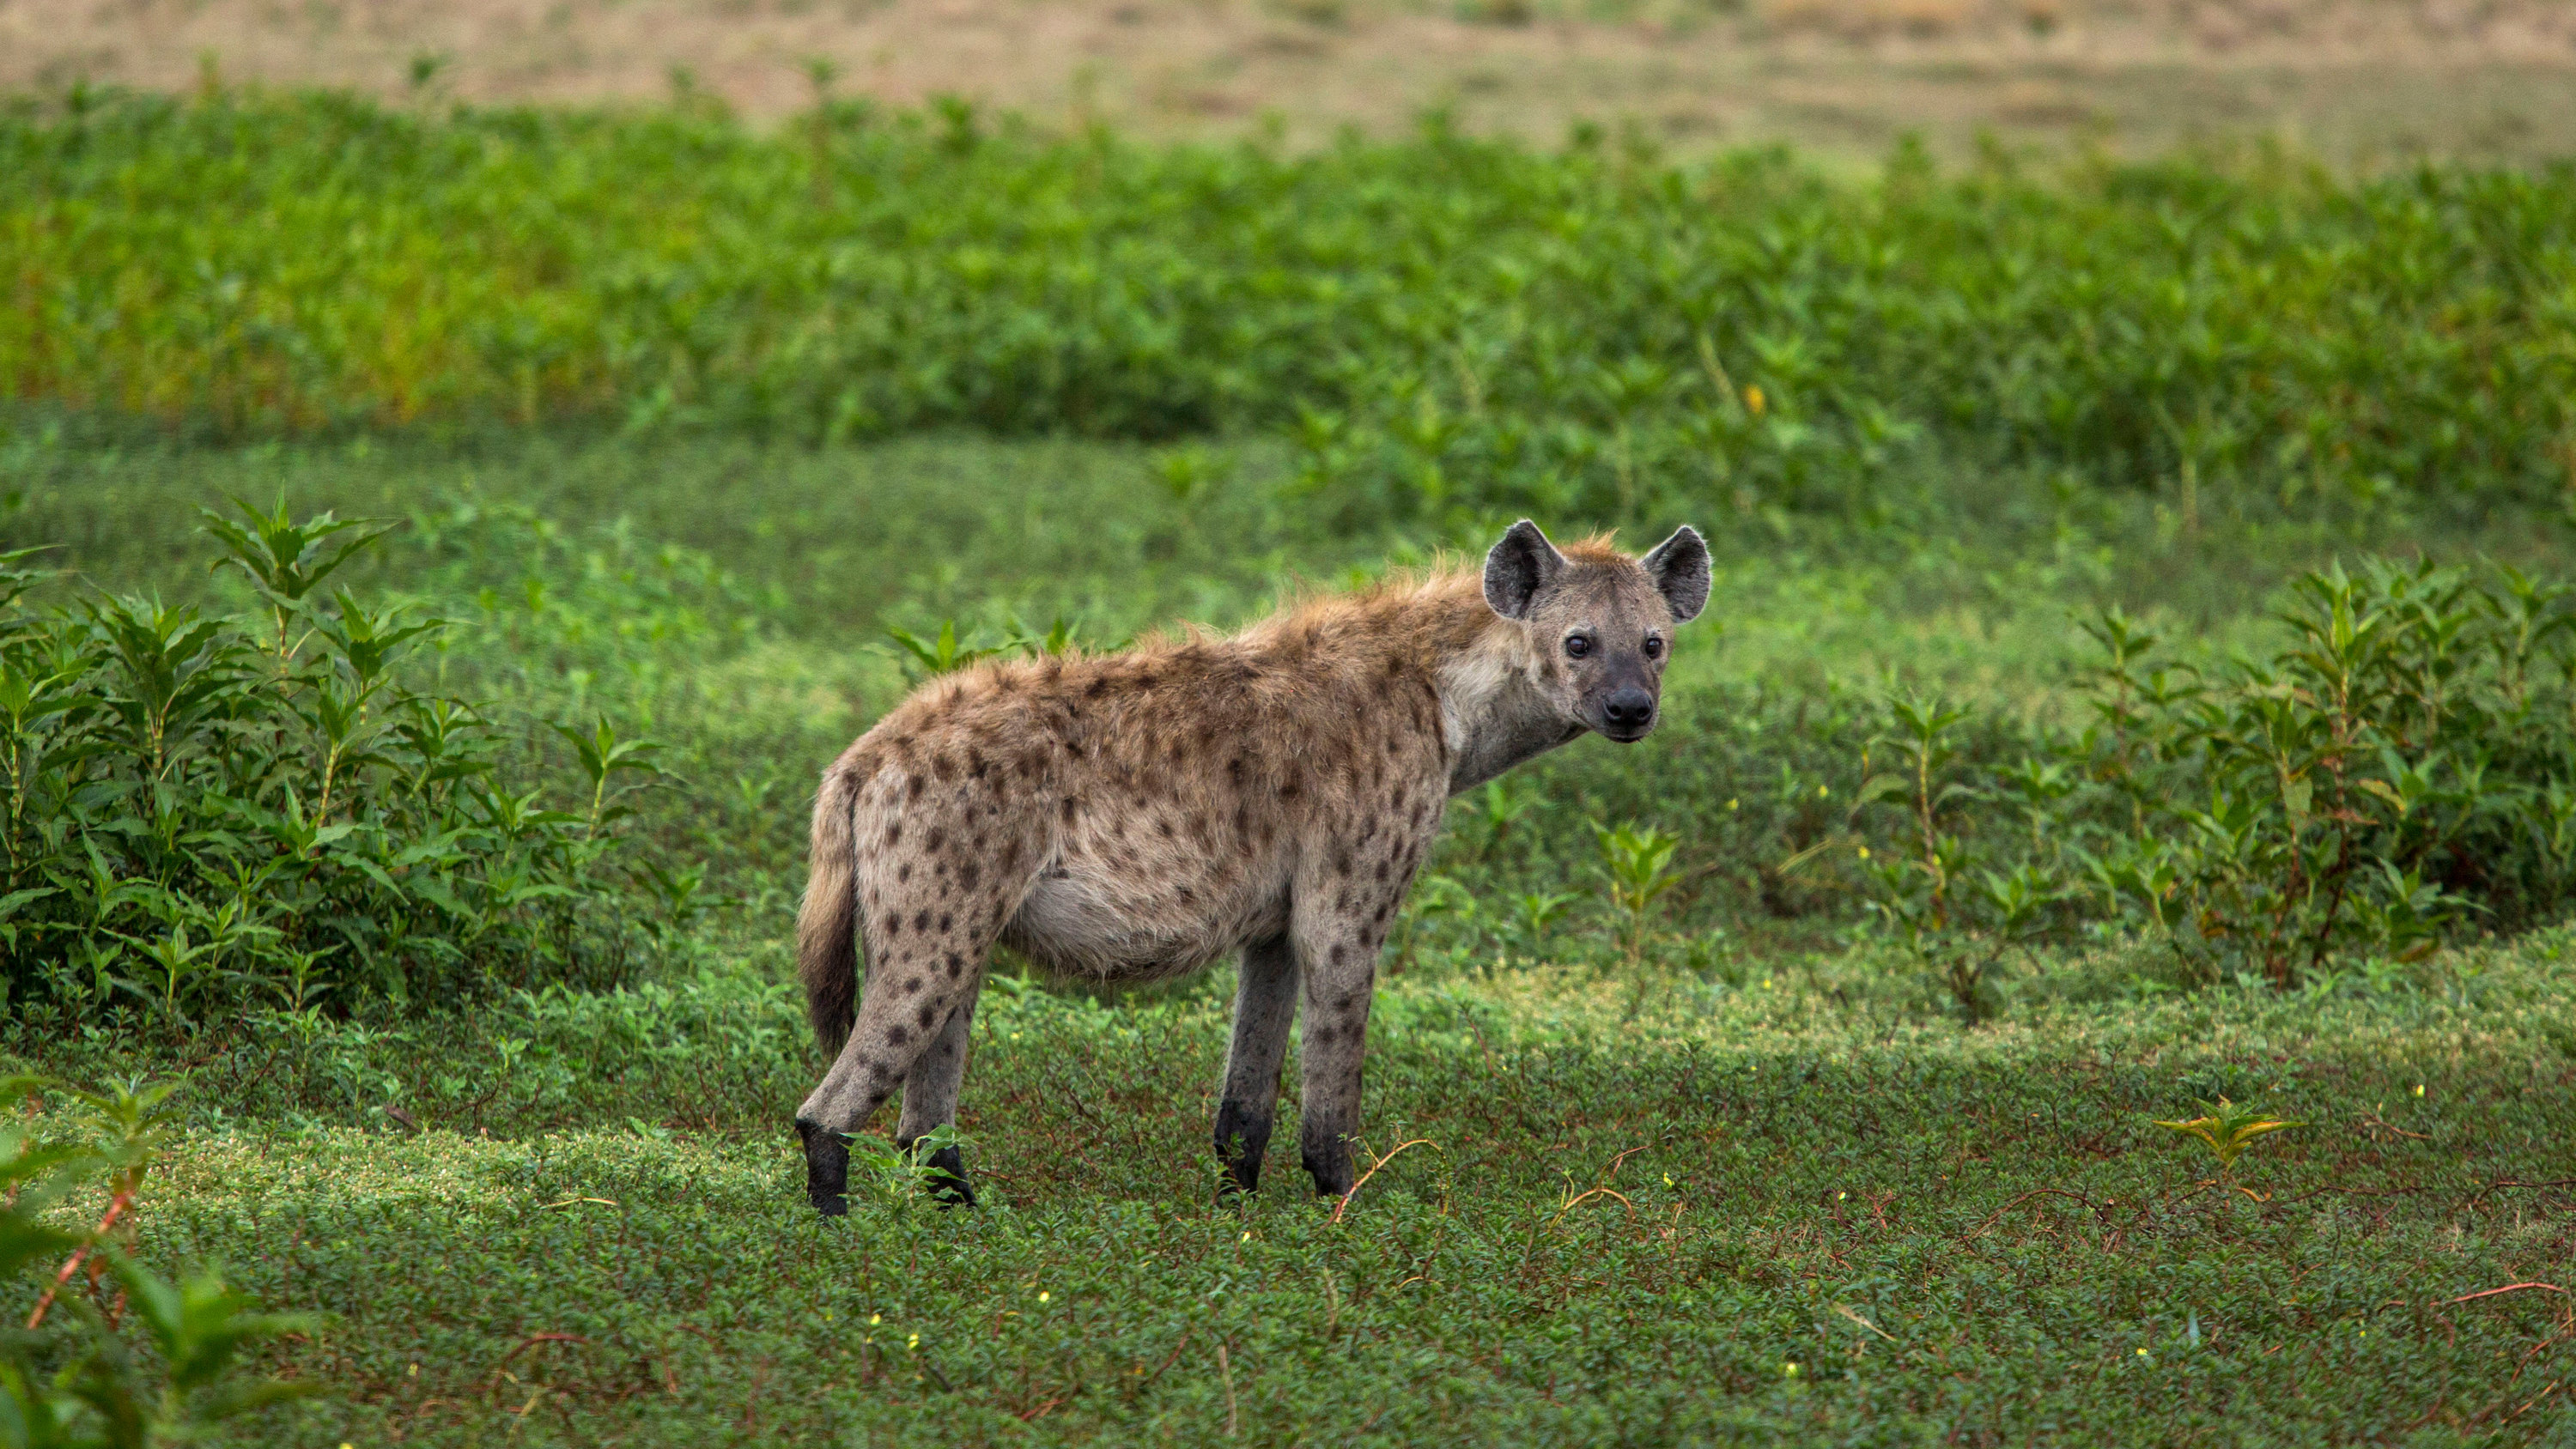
[[1135, 816]]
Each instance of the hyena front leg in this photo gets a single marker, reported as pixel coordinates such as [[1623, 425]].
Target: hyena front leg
[[1265, 1004], [1337, 955], [930, 1101]]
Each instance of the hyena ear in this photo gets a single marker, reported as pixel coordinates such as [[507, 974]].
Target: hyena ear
[[1518, 567], [1679, 567]]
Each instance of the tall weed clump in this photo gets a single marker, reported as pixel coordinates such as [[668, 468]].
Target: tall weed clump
[[113, 1353], [1447, 327], [204, 811], [2400, 769]]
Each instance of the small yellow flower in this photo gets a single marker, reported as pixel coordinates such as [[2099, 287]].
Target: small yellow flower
[[875, 1319], [2142, 1353], [1730, 804], [2419, 1089], [1838, 1197], [1766, 983], [1788, 1370], [1754, 403], [1247, 1236], [1864, 852], [1823, 790], [1668, 1179], [913, 1342]]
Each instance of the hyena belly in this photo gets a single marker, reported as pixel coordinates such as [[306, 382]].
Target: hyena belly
[[1138, 905]]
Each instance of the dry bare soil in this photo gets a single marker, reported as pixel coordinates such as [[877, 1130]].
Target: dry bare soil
[[2357, 81]]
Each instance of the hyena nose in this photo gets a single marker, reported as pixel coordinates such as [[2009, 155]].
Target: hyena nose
[[1630, 708]]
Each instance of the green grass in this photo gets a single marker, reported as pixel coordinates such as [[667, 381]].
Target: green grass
[[1975, 1237]]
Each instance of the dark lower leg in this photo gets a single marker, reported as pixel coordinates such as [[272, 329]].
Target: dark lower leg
[[1265, 1004]]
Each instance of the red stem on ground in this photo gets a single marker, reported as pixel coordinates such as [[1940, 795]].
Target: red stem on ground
[[115, 1209]]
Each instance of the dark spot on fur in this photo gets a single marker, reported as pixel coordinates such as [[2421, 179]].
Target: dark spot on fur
[[938, 839], [1068, 808], [926, 1015], [903, 872], [943, 920], [898, 1035], [912, 986], [894, 833], [1322, 1035], [956, 963], [921, 920], [969, 874], [1339, 953], [912, 788]]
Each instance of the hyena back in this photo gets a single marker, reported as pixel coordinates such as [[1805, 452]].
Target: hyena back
[[1135, 816]]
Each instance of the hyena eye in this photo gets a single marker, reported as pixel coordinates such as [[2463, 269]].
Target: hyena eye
[[1577, 645], [1654, 646]]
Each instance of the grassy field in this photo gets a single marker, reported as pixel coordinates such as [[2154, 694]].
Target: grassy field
[[2135, 721], [1765, 1187], [1789, 1211]]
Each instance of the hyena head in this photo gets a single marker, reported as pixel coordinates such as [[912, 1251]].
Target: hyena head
[[1600, 623]]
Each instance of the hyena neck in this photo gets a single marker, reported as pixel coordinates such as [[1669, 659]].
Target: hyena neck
[[1491, 710]]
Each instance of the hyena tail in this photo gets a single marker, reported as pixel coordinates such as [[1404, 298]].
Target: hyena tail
[[827, 935]]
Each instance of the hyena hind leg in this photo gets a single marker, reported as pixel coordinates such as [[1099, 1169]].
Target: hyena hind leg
[[930, 1102], [914, 985], [1265, 1003]]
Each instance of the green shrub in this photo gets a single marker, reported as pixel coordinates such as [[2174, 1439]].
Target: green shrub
[[203, 810], [2403, 767], [73, 1377], [2398, 770], [1445, 325]]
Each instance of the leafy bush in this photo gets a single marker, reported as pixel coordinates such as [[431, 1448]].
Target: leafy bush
[[204, 810], [1444, 324], [2400, 769], [71, 1378]]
